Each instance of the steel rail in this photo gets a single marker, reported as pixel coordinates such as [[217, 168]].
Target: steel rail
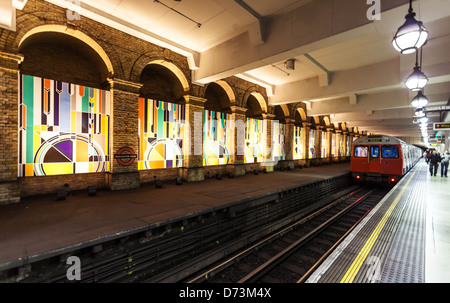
[[262, 270], [249, 250]]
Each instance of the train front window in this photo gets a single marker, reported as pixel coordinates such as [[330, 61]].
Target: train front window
[[374, 151], [361, 151], [389, 151]]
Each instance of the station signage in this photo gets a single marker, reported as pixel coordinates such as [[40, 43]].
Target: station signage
[[125, 156], [441, 126]]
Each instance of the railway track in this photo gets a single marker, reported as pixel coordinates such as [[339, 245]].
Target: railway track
[[291, 254], [172, 252]]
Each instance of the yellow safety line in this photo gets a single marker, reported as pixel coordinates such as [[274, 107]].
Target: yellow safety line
[[362, 255]]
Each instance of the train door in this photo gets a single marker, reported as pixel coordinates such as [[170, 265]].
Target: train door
[[391, 160], [360, 159], [374, 160]]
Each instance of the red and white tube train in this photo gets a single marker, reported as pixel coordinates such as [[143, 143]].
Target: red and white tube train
[[383, 159]]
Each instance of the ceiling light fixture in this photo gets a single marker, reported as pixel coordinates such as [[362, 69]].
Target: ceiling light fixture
[[411, 35], [420, 100], [417, 80], [290, 64], [423, 120], [419, 113]]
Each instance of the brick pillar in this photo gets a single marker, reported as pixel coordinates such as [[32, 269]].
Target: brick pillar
[[9, 96], [289, 143], [193, 143], [237, 163], [306, 128], [268, 162], [124, 133]]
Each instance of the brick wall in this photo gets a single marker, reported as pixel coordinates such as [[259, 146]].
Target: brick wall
[[102, 53], [9, 187], [49, 184]]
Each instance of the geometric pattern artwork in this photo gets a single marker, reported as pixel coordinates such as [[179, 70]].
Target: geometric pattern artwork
[[340, 145], [254, 140], [217, 140], [312, 143], [334, 148], [161, 131], [63, 128], [325, 144], [278, 141], [298, 143]]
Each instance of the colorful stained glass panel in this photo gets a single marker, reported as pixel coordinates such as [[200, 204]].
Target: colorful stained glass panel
[[63, 128], [298, 143], [217, 138], [161, 131], [254, 140]]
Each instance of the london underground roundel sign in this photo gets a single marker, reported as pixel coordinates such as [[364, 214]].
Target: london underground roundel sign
[[125, 156]]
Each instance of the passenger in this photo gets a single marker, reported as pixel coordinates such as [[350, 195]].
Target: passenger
[[434, 160], [445, 158], [428, 156]]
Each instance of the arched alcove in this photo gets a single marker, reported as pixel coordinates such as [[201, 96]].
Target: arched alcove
[[64, 57], [256, 105], [281, 113], [219, 97], [163, 81]]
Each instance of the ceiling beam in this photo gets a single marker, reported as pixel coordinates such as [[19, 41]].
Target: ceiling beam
[[290, 35]]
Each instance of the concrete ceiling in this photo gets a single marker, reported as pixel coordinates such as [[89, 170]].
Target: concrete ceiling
[[345, 65]]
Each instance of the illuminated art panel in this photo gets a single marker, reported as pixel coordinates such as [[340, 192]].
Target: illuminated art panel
[[340, 144], [334, 148], [278, 141], [298, 143], [312, 143], [63, 128], [325, 144], [254, 137], [161, 131], [217, 138]]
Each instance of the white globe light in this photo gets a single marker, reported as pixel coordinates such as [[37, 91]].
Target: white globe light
[[420, 100], [411, 35], [423, 120], [417, 80], [419, 113]]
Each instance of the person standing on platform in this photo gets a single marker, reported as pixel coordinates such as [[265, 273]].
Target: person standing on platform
[[427, 157], [445, 159], [434, 161]]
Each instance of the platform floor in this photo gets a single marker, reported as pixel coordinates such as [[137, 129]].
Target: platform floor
[[405, 239], [40, 225]]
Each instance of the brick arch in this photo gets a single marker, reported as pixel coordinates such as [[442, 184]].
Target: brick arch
[[326, 121], [285, 109], [302, 114], [258, 96], [228, 90], [163, 58], [316, 120], [75, 34]]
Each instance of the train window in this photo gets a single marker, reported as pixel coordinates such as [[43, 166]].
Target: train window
[[374, 151], [361, 151], [389, 151]]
